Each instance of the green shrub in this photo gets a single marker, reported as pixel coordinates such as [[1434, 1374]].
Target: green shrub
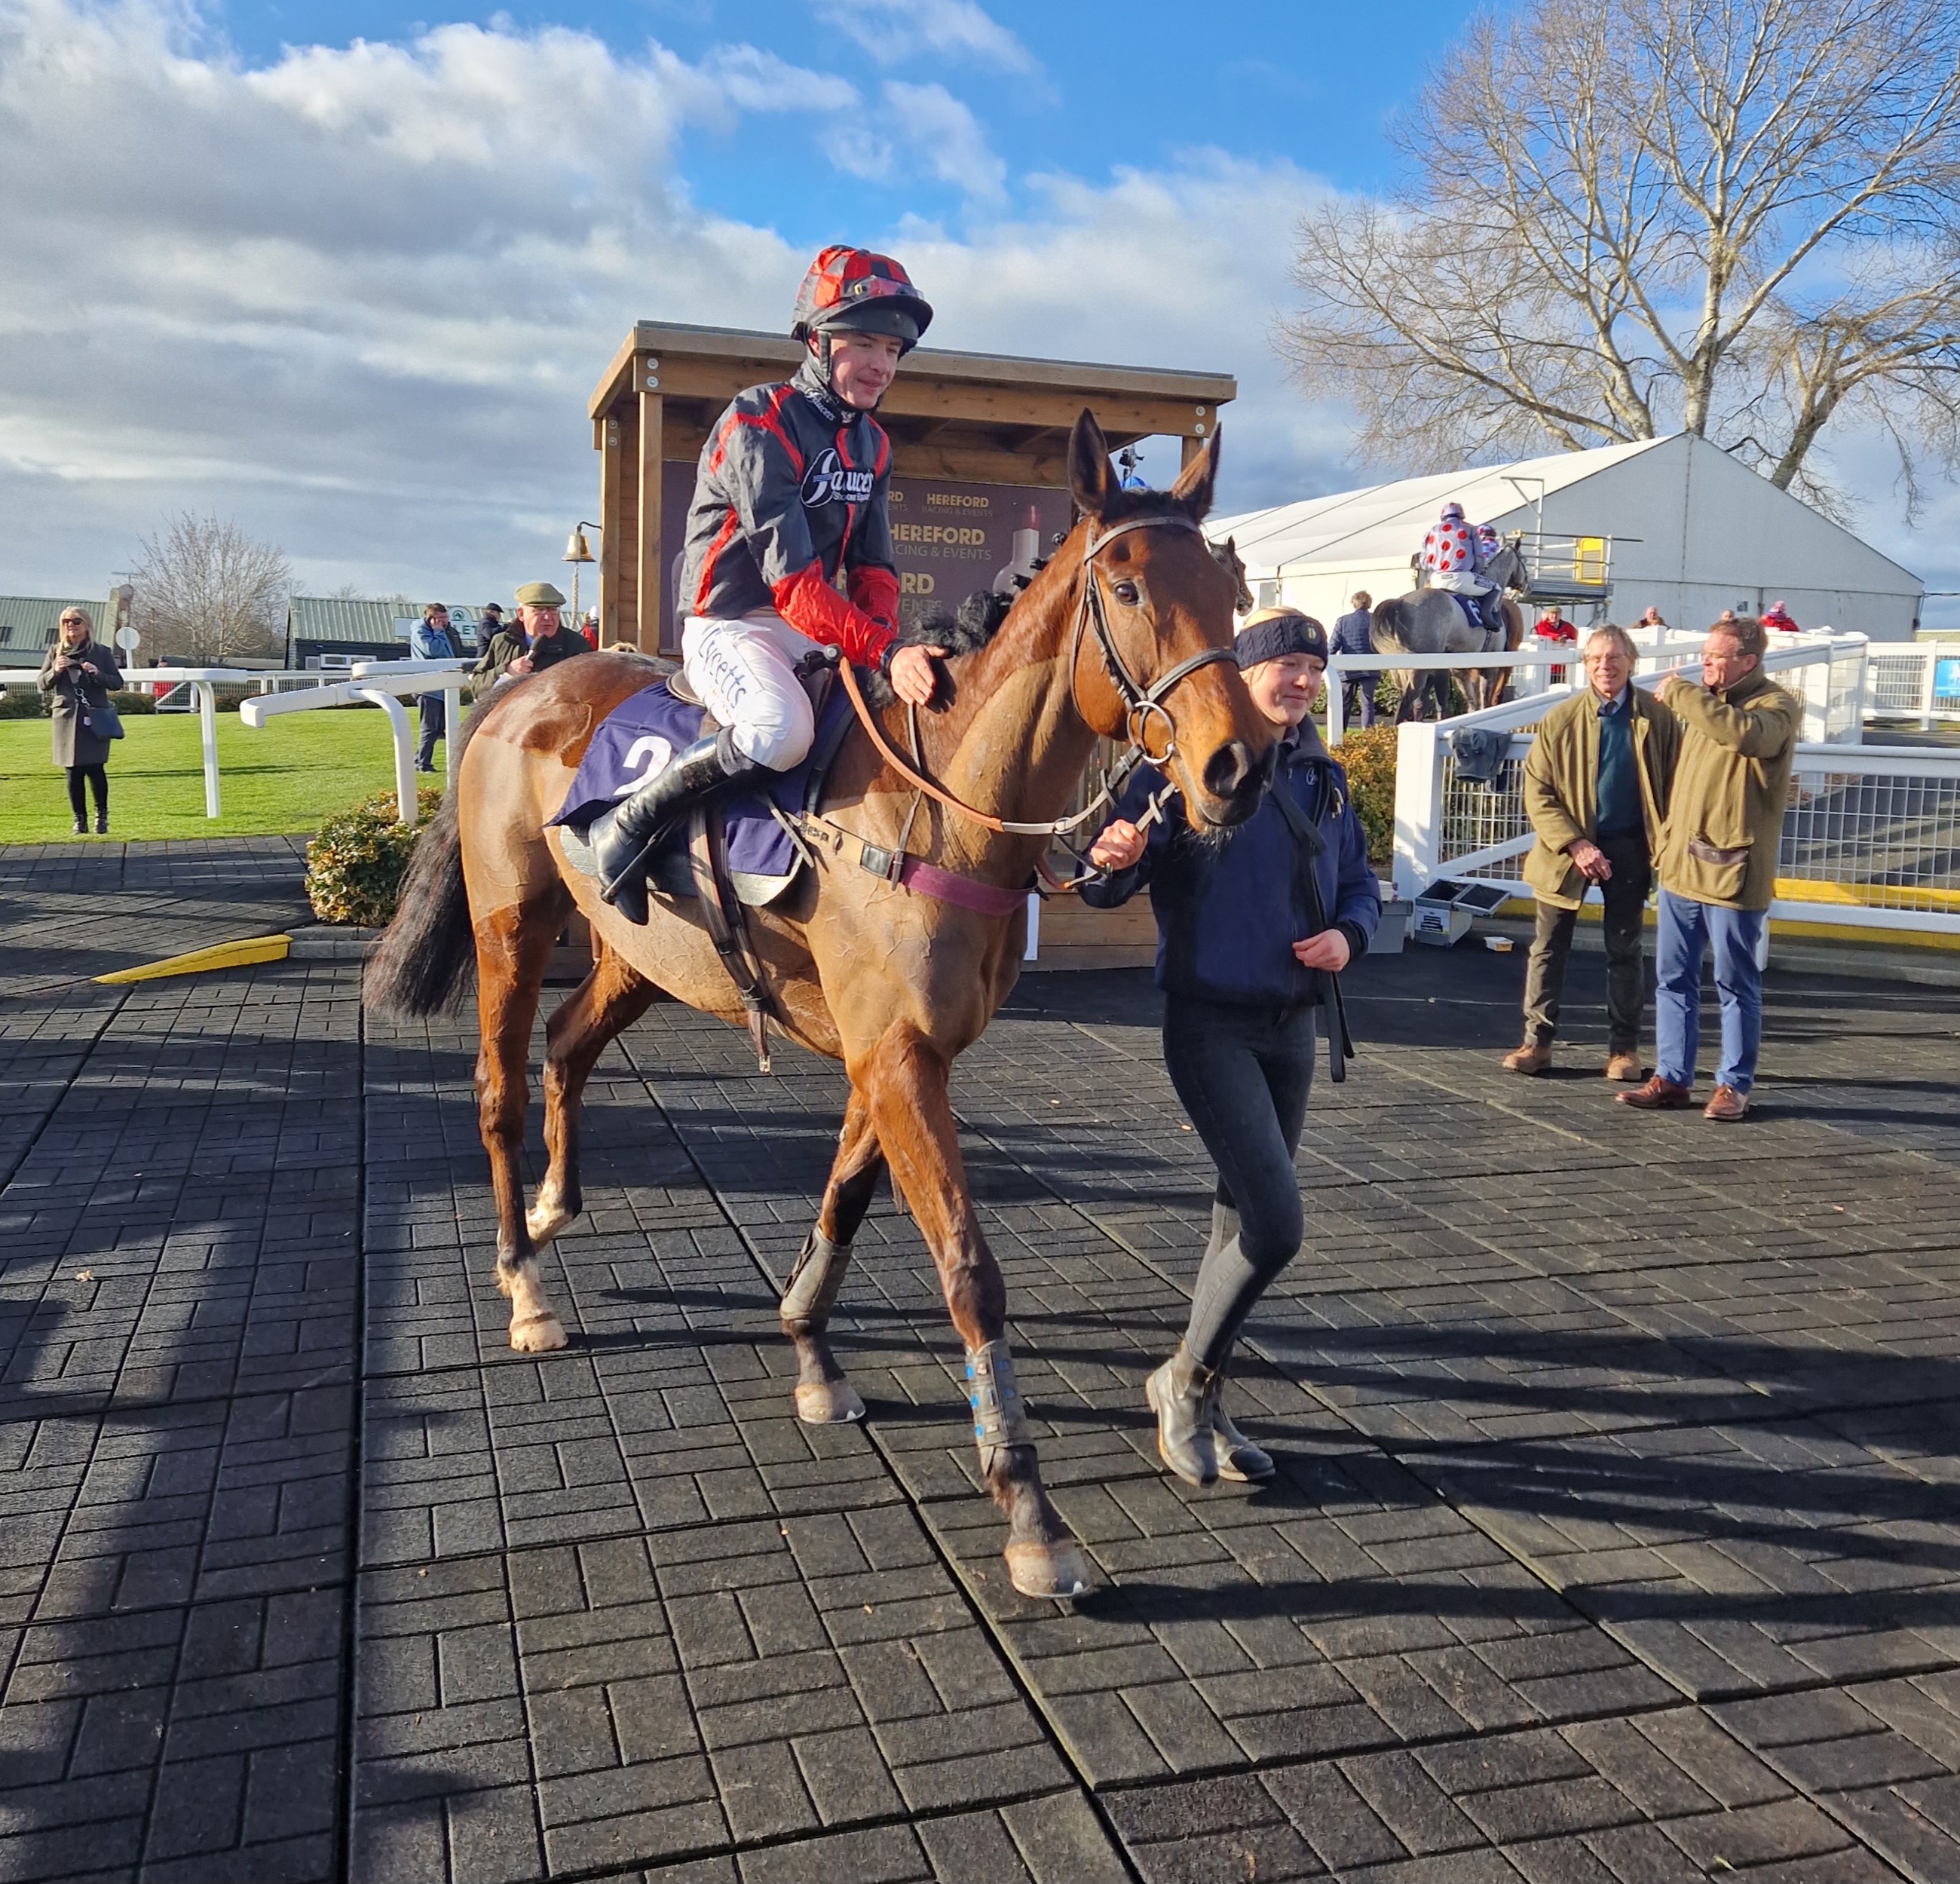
[[129, 701], [354, 866], [1367, 756], [22, 702]]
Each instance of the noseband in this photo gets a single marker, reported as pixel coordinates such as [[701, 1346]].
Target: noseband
[[1140, 703]]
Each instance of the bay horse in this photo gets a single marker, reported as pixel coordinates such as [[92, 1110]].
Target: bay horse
[[895, 984], [1430, 622]]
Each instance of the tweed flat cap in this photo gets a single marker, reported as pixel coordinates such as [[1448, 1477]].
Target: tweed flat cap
[[539, 595]]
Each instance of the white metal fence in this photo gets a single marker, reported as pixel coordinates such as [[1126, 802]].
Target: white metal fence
[[1872, 840], [1921, 682], [375, 683]]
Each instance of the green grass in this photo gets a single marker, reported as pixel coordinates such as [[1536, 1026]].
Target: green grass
[[284, 777]]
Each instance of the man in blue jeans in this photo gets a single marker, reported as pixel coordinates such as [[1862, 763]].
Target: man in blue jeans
[[1717, 865]]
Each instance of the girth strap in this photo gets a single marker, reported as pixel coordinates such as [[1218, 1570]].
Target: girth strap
[[727, 926]]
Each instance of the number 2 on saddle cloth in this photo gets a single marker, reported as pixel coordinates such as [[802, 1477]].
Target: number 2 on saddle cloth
[[738, 849]]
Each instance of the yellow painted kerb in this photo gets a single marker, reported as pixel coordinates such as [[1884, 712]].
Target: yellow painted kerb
[[242, 954]]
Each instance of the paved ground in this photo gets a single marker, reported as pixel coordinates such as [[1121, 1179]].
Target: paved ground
[[1615, 1537]]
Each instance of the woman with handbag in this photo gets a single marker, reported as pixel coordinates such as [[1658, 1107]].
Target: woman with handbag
[[1253, 926], [82, 674]]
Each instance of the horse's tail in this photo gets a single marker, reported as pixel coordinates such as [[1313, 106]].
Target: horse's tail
[[426, 960], [1385, 627]]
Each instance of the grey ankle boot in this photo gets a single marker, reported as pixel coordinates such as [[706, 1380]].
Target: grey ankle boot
[[1184, 1396], [1239, 1458]]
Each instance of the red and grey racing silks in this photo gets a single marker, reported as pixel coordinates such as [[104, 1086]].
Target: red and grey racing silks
[[792, 484]]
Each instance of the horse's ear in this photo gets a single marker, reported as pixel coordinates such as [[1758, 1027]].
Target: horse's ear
[[1193, 487], [1090, 479]]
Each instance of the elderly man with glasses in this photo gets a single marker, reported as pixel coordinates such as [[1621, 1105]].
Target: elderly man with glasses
[[1596, 789]]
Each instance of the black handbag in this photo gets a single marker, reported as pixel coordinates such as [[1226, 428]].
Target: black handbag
[[102, 720]]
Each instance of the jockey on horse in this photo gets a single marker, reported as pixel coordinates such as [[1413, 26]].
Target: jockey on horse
[[1453, 558], [790, 489]]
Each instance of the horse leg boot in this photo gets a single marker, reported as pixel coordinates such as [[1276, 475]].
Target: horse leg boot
[[907, 1078], [622, 839], [823, 1396]]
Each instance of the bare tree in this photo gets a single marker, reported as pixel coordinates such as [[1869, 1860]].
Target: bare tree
[[1737, 218], [206, 593]]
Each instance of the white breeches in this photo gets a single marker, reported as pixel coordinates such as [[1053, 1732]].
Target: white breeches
[[1460, 582], [744, 673]]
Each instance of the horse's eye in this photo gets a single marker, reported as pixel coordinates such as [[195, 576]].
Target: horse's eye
[[1126, 593]]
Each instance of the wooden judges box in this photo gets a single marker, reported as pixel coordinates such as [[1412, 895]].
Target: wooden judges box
[[979, 480], [979, 491]]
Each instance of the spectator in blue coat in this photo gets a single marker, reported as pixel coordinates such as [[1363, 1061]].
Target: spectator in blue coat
[[432, 639], [1254, 928], [1352, 635]]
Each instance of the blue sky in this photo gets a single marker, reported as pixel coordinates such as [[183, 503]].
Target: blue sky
[[347, 273]]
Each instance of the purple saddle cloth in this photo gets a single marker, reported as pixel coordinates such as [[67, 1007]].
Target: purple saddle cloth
[[638, 738]]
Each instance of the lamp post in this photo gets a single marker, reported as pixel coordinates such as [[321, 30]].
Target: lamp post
[[577, 550]]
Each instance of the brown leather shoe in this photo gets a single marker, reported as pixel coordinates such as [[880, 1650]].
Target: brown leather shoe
[[1657, 1096], [1529, 1059], [1625, 1068], [1727, 1104]]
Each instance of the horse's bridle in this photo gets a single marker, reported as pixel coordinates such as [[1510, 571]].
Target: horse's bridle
[[1140, 703]]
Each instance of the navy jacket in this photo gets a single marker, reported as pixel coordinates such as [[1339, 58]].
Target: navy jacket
[[1228, 911], [1353, 635]]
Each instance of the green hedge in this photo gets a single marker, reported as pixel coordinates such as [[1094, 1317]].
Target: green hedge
[[354, 866], [1367, 755]]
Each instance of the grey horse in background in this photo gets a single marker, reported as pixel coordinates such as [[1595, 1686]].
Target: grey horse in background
[[1431, 621]]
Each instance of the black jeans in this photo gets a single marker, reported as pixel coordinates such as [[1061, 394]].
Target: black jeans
[[98, 777], [1625, 894], [432, 717], [1243, 1072]]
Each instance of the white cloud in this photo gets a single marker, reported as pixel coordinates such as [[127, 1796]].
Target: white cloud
[[940, 134], [892, 31], [357, 299]]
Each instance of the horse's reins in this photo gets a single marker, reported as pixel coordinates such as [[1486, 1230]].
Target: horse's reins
[[1141, 702]]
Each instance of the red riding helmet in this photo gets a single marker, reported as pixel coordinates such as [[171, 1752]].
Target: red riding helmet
[[853, 291]]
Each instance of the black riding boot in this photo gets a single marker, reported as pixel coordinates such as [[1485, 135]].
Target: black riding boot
[[622, 839]]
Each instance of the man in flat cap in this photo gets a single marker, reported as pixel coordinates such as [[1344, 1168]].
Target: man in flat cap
[[539, 640]]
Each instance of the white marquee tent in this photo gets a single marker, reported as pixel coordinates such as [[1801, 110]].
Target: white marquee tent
[[1692, 532]]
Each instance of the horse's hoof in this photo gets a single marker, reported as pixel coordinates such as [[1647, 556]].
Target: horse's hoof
[[827, 1402], [537, 1334], [1055, 1571], [544, 1225]]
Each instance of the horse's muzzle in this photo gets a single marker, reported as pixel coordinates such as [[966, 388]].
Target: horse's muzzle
[[1234, 777]]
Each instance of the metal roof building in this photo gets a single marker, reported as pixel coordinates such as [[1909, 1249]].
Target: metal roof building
[[29, 622], [1675, 523], [363, 626]]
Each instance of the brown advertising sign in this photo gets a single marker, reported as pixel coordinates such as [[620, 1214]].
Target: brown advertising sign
[[948, 539]]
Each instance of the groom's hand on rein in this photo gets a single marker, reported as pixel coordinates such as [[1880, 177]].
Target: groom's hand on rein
[[914, 677], [1119, 847]]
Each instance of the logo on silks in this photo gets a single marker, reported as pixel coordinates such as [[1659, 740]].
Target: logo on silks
[[829, 481], [646, 758]]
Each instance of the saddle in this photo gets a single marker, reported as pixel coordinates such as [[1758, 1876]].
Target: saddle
[[740, 850]]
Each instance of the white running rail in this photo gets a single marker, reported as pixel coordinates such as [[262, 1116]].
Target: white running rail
[[1871, 839], [373, 683]]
